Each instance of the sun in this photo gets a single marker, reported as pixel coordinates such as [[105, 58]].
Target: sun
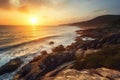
[[33, 21]]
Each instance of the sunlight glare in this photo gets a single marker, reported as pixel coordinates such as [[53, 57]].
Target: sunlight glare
[[34, 21]]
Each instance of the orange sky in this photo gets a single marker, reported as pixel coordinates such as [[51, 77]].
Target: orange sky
[[44, 17], [52, 12]]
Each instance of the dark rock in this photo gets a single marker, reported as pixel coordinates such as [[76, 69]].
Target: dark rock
[[11, 66], [37, 58], [44, 52], [100, 42], [111, 39], [28, 72], [45, 64], [59, 69], [58, 48], [51, 43]]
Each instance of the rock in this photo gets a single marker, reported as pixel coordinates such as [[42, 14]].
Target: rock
[[111, 39], [51, 43], [104, 41], [59, 69], [28, 72], [79, 54], [44, 52], [37, 58], [109, 73], [87, 74], [11, 66], [58, 48], [89, 51], [43, 65]]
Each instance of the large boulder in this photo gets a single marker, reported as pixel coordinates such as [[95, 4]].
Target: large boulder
[[51, 43], [11, 66], [58, 48]]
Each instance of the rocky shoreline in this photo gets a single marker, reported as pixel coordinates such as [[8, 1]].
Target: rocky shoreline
[[62, 59], [94, 56]]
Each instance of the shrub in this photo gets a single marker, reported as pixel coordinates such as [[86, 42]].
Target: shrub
[[106, 57]]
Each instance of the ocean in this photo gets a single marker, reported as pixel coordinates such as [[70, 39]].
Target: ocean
[[26, 42]]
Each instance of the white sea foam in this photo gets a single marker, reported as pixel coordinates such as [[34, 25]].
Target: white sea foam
[[32, 49]]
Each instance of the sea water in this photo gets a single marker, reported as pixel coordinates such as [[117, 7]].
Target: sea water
[[26, 42]]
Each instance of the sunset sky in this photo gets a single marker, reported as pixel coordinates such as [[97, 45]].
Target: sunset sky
[[14, 12]]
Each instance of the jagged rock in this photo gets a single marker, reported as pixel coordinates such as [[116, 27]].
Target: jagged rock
[[59, 69], [87, 74], [37, 58], [45, 64], [100, 42], [58, 48], [11, 66], [111, 39]]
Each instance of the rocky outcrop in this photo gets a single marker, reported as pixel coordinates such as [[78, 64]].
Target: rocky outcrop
[[11, 66], [42, 65], [100, 42], [87, 74], [58, 48]]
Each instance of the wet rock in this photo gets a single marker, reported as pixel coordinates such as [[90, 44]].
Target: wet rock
[[28, 72], [37, 58], [58, 48], [44, 52], [51, 43], [43, 65], [11, 66]]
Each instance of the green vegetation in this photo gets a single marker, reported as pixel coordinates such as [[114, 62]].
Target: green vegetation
[[107, 57]]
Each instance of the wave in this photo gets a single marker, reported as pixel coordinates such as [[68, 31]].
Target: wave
[[4, 48]]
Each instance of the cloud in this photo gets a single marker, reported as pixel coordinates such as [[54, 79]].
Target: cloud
[[4, 4], [26, 5], [24, 9], [100, 11]]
